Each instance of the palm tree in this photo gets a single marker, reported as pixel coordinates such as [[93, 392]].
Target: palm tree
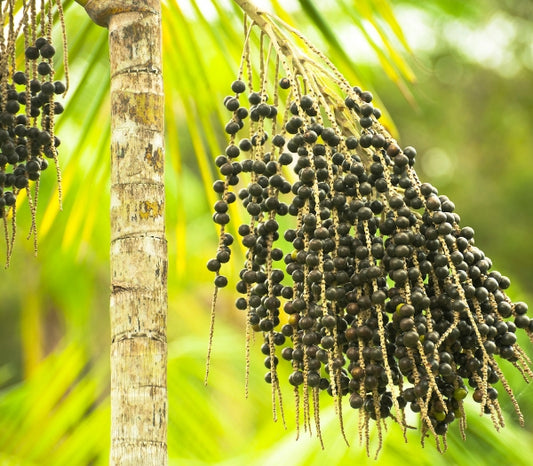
[[138, 259], [74, 374]]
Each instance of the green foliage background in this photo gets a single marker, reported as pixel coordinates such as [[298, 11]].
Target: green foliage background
[[470, 118]]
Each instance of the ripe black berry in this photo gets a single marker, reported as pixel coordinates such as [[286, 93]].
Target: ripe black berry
[[254, 98], [47, 51], [32, 53], [284, 83], [213, 265], [238, 86], [366, 96], [47, 88], [232, 127], [9, 198], [44, 68], [59, 87], [12, 106], [221, 281], [40, 42], [35, 86], [21, 182], [232, 104], [20, 78]]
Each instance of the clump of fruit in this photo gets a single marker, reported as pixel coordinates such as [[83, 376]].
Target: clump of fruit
[[28, 108], [357, 274]]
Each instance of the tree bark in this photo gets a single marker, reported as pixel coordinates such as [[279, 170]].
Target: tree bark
[[138, 304]]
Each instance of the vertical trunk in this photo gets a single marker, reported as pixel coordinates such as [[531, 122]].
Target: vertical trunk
[[138, 246]]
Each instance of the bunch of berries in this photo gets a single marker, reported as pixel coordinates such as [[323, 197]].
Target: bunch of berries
[[357, 274], [28, 108]]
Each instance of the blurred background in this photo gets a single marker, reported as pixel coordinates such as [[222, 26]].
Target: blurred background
[[454, 79]]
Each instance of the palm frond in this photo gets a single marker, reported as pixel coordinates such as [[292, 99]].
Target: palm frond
[[61, 394]]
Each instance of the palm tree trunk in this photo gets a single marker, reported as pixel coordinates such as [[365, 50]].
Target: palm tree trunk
[[138, 303]]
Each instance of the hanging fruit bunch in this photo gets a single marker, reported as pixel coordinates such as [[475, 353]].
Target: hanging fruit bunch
[[357, 274], [28, 106]]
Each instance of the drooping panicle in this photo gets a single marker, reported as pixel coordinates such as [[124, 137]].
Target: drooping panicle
[[28, 105], [357, 274]]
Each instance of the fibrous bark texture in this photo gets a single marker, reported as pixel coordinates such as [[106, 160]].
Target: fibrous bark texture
[[138, 246]]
